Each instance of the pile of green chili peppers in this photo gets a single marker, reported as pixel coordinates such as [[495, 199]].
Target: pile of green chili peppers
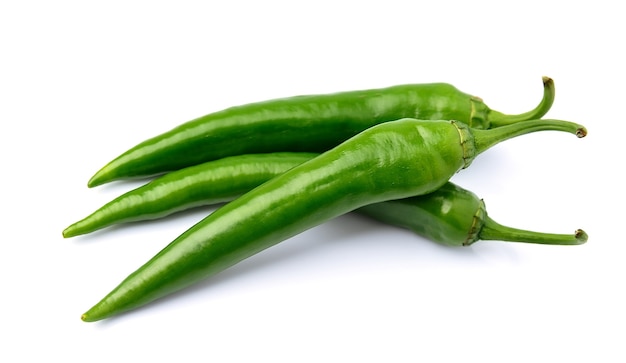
[[286, 165]]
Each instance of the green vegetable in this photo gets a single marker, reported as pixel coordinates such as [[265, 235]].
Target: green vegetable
[[450, 215], [389, 161], [455, 216], [312, 123]]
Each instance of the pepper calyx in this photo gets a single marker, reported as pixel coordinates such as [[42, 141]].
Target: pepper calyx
[[466, 140]]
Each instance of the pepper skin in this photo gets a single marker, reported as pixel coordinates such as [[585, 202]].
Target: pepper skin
[[389, 161], [312, 123]]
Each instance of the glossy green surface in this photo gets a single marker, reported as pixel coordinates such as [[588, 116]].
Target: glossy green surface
[[389, 161], [311, 123]]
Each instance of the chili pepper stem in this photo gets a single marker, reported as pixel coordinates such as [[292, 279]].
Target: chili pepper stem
[[498, 119], [493, 231], [485, 139]]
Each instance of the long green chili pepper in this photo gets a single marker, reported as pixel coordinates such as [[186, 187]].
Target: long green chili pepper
[[208, 183], [446, 215], [312, 123], [389, 161]]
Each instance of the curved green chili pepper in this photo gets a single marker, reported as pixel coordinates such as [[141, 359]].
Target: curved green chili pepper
[[389, 161], [312, 123], [445, 216]]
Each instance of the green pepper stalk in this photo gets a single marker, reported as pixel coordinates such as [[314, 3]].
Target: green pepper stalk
[[389, 161], [497, 119], [450, 215], [312, 123]]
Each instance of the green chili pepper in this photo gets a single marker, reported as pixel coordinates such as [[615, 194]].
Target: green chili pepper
[[313, 123], [445, 216], [455, 216], [389, 161], [450, 215]]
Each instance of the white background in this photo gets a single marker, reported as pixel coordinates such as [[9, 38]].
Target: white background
[[81, 82]]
